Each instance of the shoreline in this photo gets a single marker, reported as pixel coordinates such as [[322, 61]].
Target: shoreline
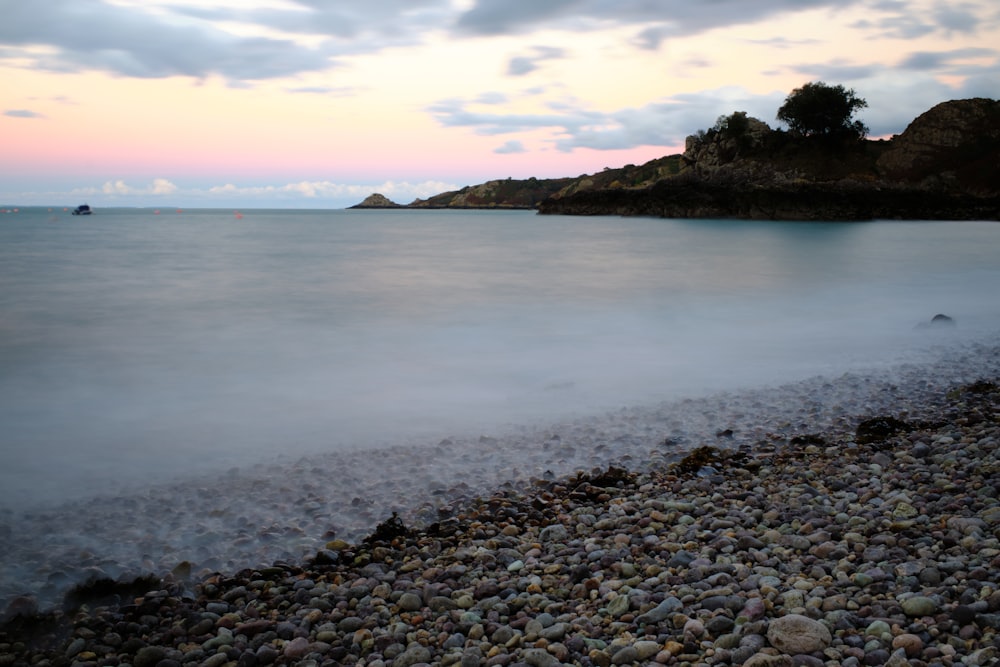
[[506, 521]]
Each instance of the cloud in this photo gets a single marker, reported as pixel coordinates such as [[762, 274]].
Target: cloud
[[249, 42], [245, 43], [784, 42], [162, 186], [959, 18], [521, 65], [400, 191], [22, 113], [512, 146], [901, 21], [659, 19], [571, 126], [336, 91], [159, 186], [152, 41], [492, 98], [837, 71], [897, 27], [943, 60], [136, 42], [496, 17]]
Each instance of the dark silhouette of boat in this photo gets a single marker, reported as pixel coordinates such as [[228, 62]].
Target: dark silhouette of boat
[[82, 209]]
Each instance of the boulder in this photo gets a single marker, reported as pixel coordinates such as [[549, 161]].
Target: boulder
[[795, 634]]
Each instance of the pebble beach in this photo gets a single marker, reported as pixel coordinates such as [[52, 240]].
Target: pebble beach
[[850, 520]]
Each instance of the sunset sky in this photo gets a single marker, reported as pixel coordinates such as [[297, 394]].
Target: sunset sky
[[318, 103]]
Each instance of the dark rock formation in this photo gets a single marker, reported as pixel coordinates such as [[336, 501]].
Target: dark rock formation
[[944, 166], [509, 194], [377, 201], [955, 146], [846, 200]]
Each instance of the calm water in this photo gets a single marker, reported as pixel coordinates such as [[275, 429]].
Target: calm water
[[137, 346]]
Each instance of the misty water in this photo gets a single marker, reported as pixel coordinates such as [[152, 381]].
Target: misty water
[[139, 346]]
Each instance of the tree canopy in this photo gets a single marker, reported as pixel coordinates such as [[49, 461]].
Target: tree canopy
[[818, 109]]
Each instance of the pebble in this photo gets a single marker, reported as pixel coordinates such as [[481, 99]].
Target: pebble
[[793, 554], [919, 605]]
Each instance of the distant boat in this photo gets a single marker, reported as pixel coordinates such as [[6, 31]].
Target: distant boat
[[82, 209]]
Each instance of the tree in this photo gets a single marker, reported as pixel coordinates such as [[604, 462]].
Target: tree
[[817, 109], [734, 125]]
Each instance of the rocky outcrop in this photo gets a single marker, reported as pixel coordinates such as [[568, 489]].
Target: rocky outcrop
[[711, 153], [377, 201], [505, 194], [954, 145], [942, 167]]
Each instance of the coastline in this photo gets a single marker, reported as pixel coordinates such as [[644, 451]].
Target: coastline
[[533, 562]]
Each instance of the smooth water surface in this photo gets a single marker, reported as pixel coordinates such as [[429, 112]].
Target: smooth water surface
[[138, 346]]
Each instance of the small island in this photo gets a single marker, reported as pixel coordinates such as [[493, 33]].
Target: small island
[[943, 166], [377, 200]]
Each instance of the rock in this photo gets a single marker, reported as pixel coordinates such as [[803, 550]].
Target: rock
[[945, 145], [660, 612], [472, 657], [377, 201], [911, 644], [539, 657], [625, 656], [149, 656], [938, 320], [802, 660], [794, 634], [295, 649], [554, 533], [919, 605], [897, 659], [410, 602], [618, 606], [768, 660], [75, 647], [647, 649], [412, 656]]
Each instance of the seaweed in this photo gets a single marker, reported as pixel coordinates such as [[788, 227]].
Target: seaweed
[[697, 459], [389, 530], [613, 477], [105, 589], [807, 439], [878, 429], [981, 387]]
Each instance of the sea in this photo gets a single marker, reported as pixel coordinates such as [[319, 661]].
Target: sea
[[140, 346]]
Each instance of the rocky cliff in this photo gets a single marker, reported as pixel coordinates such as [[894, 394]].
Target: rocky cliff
[[954, 146], [945, 165]]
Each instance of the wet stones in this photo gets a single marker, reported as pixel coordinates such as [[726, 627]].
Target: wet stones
[[799, 555]]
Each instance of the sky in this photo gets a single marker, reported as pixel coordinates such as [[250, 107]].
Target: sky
[[319, 103]]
